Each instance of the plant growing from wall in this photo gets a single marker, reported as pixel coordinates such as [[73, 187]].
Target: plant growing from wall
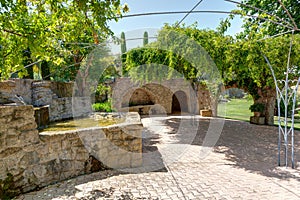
[[7, 186]]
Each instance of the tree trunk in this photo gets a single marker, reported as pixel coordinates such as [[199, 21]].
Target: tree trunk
[[268, 98]]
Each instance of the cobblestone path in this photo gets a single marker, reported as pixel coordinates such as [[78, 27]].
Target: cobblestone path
[[180, 163]]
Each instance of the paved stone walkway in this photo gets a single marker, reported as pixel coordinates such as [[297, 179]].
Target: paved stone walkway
[[179, 164]]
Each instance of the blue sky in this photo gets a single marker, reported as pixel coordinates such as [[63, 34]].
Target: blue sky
[[135, 26], [204, 20]]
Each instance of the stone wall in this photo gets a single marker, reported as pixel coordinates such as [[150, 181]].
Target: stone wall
[[204, 101], [10, 88], [160, 93], [38, 159], [57, 95]]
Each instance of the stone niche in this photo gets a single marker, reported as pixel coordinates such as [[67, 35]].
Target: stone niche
[[39, 159]]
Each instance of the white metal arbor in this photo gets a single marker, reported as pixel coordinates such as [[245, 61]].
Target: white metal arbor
[[285, 94]]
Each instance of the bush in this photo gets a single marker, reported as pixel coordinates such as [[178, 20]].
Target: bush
[[257, 107], [102, 107]]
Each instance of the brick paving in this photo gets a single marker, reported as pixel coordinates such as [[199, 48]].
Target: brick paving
[[178, 164]]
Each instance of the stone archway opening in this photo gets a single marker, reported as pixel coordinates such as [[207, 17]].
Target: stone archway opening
[[141, 97], [179, 102]]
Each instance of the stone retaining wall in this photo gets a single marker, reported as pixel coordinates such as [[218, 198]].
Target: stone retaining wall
[[38, 159], [57, 95]]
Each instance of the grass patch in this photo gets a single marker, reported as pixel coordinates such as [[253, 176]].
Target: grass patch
[[236, 109], [296, 122]]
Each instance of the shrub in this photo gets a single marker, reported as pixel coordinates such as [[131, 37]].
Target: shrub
[[102, 107], [257, 107]]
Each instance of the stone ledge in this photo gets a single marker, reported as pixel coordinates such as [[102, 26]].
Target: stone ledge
[[257, 120]]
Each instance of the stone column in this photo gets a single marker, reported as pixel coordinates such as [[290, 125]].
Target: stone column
[[41, 93]]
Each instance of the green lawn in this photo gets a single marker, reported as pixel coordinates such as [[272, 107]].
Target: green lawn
[[239, 109], [236, 109]]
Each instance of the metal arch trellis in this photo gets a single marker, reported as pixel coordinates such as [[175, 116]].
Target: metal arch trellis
[[285, 94]]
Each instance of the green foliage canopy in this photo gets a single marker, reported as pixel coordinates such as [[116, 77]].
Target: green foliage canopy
[[57, 31], [179, 49], [277, 18], [240, 62]]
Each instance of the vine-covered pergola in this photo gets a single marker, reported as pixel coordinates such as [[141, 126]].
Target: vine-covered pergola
[[286, 90]]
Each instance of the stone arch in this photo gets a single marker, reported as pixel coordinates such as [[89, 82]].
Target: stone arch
[[141, 97], [179, 102]]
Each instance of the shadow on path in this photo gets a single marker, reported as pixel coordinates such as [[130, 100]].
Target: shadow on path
[[248, 146]]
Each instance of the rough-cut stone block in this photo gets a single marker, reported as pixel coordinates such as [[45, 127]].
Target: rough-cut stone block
[[124, 160], [29, 137], [7, 85], [24, 113], [38, 159], [11, 131], [5, 119], [6, 111], [9, 151], [81, 156], [29, 158], [13, 141], [41, 84], [40, 171], [29, 126], [257, 120]]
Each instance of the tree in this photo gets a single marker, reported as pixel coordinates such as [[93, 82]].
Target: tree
[[60, 32], [250, 71], [123, 43], [272, 17], [240, 61], [277, 18], [145, 39]]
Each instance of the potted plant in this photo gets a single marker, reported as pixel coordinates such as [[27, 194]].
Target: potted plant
[[257, 108]]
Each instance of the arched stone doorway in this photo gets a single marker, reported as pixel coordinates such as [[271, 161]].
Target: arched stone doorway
[[141, 97], [179, 102]]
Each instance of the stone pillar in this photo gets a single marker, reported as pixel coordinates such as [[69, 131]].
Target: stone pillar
[[41, 93]]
